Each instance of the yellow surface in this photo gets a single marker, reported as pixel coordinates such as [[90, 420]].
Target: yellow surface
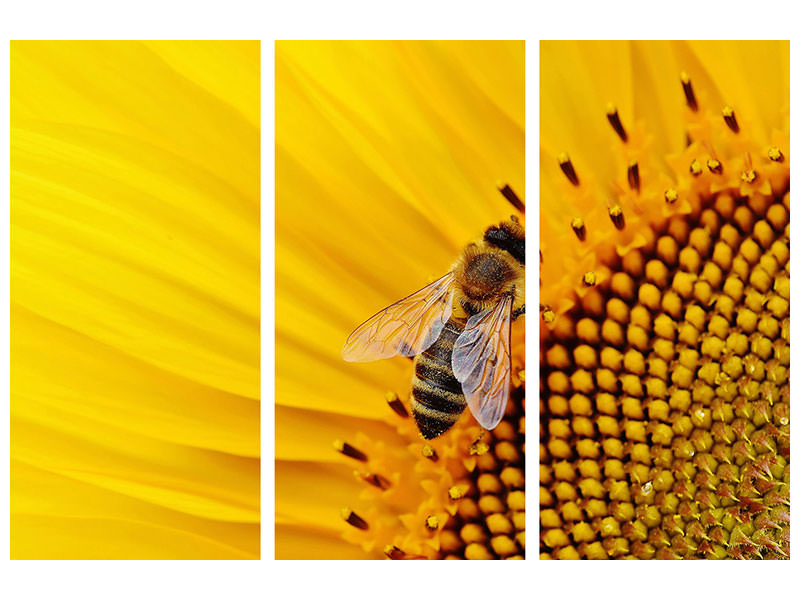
[[578, 80], [135, 303], [387, 159]]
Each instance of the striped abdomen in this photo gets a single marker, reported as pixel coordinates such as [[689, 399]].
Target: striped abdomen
[[436, 397]]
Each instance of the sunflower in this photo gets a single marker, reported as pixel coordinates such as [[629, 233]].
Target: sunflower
[[135, 300], [388, 156], [664, 300]]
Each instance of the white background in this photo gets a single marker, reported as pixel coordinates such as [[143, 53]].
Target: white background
[[410, 19]]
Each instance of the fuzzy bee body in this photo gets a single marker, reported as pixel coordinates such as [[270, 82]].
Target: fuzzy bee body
[[437, 400], [457, 328]]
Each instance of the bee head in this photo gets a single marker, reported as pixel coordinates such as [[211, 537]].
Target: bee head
[[508, 236]]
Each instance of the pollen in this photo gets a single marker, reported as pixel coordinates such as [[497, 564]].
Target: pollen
[[671, 195], [579, 227], [774, 153], [714, 165], [615, 213], [748, 176], [730, 119], [665, 395]]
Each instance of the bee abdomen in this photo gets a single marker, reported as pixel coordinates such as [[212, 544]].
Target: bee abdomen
[[436, 398]]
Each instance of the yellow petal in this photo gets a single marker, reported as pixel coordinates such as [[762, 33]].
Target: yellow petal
[[43, 499], [135, 299]]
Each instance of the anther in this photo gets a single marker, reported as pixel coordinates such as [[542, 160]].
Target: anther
[[396, 404], [691, 101], [671, 195], [633, 175], [714, 165], [353, 519], [429, 452], [774, 153], [566, 166], [548, 315], [695, 168], [479, 448], [748, 176], [456, 492], [394, 553], [379, 481], [579, 227], [730, 119], [615, 212], [512, 197], [432, 523], [589, 279], [349, 450], [613, 118]]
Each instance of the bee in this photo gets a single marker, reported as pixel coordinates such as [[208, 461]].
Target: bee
[[458, 330]]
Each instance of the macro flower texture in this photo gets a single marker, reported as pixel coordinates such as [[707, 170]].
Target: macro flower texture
[[664, 300], [390, 158], [135, 300]]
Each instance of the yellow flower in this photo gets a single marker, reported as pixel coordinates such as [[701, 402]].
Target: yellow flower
[[387, 160], [135, 300], [665, 300]]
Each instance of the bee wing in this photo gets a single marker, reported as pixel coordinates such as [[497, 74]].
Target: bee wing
[[407, 327], [482, 362]]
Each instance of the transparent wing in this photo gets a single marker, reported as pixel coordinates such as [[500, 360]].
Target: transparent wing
[[482, 362], [407, 327]]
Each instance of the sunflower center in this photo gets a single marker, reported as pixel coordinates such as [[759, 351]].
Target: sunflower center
[[479, 515], [665, 425], [665, 386]]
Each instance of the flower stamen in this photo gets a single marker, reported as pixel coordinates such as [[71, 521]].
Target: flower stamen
[[616, 123], [615, 212], [774, 153], [429, 452], [456, 492], [394, 402], [510, 195], [379, 481], [579, 227], [479, 448], [353, 519], [730, 119], [395, 553], [566, 166], [688, 91], [633, 175], [349, 450], [714, 166]]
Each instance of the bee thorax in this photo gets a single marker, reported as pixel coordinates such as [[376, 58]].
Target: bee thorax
[[484, 275]]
